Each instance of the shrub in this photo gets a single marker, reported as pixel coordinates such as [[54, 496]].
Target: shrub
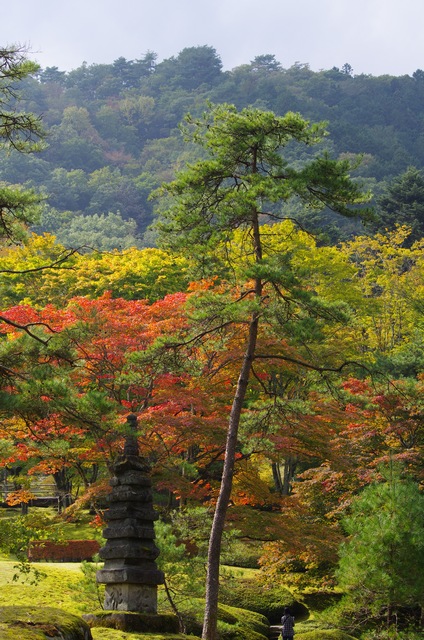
[[67, 551], [320, 600], [17, 532], [240, 553]]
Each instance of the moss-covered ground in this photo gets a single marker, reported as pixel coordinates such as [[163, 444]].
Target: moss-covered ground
[[65, 586], [71, 587], [62, 586]]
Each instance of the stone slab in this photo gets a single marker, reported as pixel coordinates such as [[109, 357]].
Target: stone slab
[[129, 493], [136, 478], [131, 597], [121, 530], [115, 549], [122, 511], [133, 575], [131, 463]]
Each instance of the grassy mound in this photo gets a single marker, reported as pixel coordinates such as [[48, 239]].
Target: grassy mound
[[233, 623], [324, 634], [113, 634], [39, 623], [254, 596], [320, 600], [63, 586]]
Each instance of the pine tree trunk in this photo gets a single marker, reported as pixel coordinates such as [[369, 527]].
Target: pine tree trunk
[[214, 552], [215, 540]]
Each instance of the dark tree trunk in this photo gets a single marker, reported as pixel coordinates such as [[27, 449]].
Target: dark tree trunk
[[283, 483], [290, 464], [64, 489], [214, 552], [278, 481]]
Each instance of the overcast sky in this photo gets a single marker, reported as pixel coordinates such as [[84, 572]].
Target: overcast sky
[[374, 36]]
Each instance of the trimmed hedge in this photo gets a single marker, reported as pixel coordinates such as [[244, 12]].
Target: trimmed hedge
[[68, 551]]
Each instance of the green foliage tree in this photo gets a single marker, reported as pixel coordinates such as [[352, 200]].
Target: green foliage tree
[[132, 106], [192, 67], [265, 63], [234, 187], [18, 208], [68, 190], [99, 231], [403, 203], [17, 533], [183, 574], [382, 563], [20, 131], [111, 191], [52, 74], [75, 143]]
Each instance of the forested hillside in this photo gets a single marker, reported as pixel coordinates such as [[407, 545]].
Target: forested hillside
[[113, 131]]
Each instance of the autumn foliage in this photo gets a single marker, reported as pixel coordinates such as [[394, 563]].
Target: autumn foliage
[[72, 373]]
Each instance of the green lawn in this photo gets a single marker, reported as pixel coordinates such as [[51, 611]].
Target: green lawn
[[64, 586]]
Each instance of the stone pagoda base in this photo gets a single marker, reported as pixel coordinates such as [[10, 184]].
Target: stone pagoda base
[[137, 622], [131, 597]]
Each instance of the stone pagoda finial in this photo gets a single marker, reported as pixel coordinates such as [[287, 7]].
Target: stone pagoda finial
[[131, 443]]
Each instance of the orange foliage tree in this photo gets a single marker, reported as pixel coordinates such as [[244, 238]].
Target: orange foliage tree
[[91, 364]]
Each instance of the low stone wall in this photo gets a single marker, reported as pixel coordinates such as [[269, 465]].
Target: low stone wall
[[68, 551]]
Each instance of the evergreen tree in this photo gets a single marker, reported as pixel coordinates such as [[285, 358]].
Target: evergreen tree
[[403, 203], [234, 187], [18, 130], [382, 564]]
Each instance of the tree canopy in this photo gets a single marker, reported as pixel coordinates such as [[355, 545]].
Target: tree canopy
[[123, 117], [273, 373], [381, 565], [242, 178]]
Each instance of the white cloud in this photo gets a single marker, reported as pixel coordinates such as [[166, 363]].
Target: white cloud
[[374, 36]]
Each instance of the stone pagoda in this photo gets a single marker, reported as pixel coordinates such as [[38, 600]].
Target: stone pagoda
[[130, 572]]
